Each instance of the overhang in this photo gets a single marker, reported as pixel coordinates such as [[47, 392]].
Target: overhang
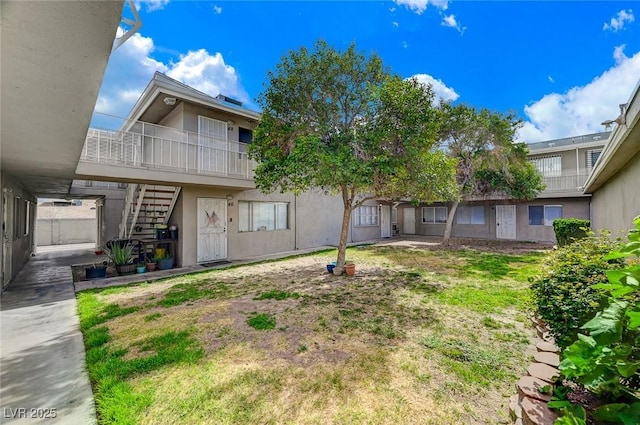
[[623, 145], [54, 56]]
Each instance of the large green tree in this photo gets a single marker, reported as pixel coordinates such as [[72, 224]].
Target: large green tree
[[338, 120], [489, 162]]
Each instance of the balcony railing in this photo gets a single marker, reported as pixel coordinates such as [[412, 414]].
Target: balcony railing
[[98, 184], [573, 183], [151, 146]]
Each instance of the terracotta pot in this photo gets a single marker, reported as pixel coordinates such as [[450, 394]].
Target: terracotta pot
[[151, 267], [350, 269]]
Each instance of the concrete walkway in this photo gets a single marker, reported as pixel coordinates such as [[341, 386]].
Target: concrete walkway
[[42, 357]]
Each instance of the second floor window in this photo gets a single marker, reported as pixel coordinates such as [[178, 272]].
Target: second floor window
[[592, 158], [548, 166]]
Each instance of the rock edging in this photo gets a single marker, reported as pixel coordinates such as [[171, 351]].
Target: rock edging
[[529, 405]]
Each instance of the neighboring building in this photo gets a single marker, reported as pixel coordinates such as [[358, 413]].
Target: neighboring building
[[184, 154], [180, 159], [615, 181], [66, 222], [565, 165]]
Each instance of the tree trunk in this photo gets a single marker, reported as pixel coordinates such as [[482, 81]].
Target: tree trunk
[[344, 232], [449, 225]]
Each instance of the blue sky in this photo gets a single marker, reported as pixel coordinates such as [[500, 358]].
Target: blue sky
[[562, 66]]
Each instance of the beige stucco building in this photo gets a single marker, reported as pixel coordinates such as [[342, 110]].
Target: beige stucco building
[[179, 159], [565, 165], [615, 181]]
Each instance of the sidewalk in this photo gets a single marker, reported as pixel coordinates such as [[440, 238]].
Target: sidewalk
[[42, 358]]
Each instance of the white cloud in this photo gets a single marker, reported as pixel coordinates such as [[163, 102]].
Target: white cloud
[[395, 24], [217, 9], [131, 67], [581, 109], [439, 88], [450, 21], [617, 22], [209, 74], [151, 5], [550, 78], [405, 45], [419, 6]]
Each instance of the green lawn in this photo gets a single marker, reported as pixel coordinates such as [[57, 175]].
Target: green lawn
[[417, 336]]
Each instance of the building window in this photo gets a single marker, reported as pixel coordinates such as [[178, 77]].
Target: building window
[[470, 215], [592, 158], [394, 215], [27, 217], [540, 215], [433, 215], [548, 166], [17, 218], [245, 135], [263, 216], [365, 215]]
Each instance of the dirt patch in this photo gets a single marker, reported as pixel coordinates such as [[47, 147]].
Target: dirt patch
[[491, 245]]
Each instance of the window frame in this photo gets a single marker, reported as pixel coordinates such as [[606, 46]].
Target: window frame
[[250, 218], [546, 165], [369, 213], [433, 214], [545, 220], [470, 208]]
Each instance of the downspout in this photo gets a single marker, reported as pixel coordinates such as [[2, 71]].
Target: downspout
[[295, 215], [577, 168]]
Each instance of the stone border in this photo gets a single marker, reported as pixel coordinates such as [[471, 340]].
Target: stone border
[[529, 405]]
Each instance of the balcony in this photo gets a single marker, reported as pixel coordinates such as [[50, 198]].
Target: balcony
[[571, 185], [142, 151]]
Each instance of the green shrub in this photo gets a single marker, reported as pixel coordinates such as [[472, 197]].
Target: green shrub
[[606, 357], [569, 229], [564, 295]]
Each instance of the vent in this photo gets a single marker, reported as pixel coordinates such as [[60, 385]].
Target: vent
[[228, 100]]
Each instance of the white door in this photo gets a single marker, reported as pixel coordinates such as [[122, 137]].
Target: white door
[[212, 229], [505, 221], [7, 237], [385, 221], [212, 140], [409, 221]]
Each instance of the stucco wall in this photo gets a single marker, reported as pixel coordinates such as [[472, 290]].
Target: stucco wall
[[18, 246], [571, 208], [617, 202], [58, 231], [314, 220]]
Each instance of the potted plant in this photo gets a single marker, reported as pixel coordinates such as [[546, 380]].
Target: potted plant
[[151, 264], [141, 268], [120, 255], [164, 262], [96, 271]]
